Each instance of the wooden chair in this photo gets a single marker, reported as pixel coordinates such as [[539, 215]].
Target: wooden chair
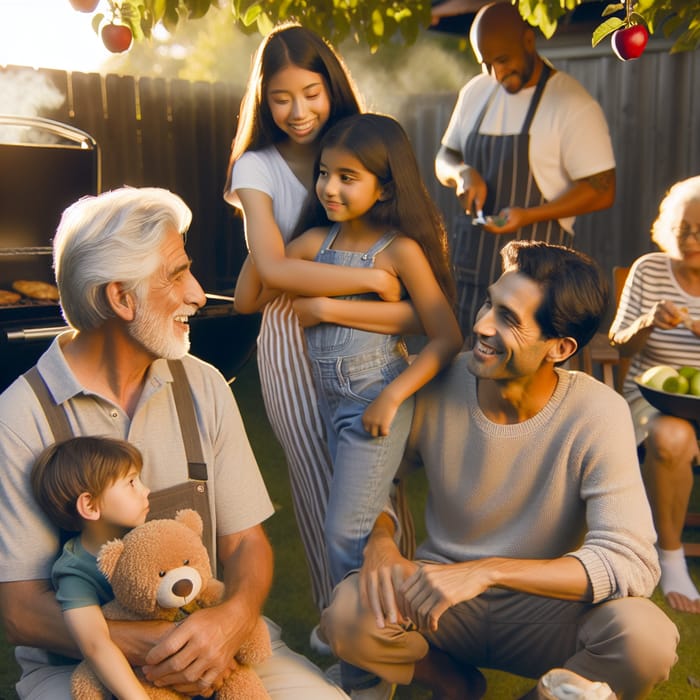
[[599, 358], [602, 360]]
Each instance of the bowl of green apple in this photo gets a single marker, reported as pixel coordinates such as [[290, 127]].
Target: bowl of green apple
[[671, 390]]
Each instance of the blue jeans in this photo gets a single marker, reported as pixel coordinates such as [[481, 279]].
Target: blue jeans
[[363, 466]]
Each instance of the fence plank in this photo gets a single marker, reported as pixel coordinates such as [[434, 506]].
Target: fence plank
[[156, 133], [121, 151], [87, 104]]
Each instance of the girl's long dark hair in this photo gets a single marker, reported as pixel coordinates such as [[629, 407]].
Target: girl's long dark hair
[[289, 44], [380, 143]]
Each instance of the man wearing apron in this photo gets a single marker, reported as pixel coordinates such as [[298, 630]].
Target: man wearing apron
[[527, 146]]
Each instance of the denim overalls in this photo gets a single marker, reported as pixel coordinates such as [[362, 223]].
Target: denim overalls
[[350, 368]]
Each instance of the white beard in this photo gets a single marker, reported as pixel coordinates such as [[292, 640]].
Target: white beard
[[155, 332]]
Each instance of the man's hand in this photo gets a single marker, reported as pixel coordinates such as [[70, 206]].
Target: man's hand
[[471, 190], [507, 221], [198, 655], [382, 573], [433, 588]]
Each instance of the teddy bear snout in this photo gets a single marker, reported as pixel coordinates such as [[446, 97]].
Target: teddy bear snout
[[182, 588], [178, 587]]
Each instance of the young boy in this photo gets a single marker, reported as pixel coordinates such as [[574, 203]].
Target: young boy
[[91, 486]]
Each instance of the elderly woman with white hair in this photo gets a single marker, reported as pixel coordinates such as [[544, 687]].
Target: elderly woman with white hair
[[658, 323]]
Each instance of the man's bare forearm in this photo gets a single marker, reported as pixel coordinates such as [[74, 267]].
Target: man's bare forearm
[[32, 617]]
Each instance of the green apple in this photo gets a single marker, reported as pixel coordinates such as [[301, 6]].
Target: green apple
[[655, 376], [695, 385], [676, 385], [688, 372]]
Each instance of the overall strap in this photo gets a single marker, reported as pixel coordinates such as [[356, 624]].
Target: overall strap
[[55, 415], [184, 404], [384, 242], [333, 232]]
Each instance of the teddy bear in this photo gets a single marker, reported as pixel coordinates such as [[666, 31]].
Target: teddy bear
[[161, 571]]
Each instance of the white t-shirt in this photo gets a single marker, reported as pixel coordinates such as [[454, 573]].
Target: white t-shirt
[[569, 136], [266, 171]]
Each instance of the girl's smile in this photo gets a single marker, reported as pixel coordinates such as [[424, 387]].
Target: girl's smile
[[299, 103], [344, 186]]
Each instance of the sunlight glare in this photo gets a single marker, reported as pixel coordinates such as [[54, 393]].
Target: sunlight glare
[[49, 34]]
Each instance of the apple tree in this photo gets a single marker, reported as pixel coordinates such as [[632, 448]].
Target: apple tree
[[374, 23], [368, 22]]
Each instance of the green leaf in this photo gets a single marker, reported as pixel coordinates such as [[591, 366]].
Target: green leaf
[[97, 21], [377, 23], [605, 29], [612, 9], [170, 17], [198, 8], [636, 18], [251, 15], [265, 24], [543, 20], [673, 24], [158, 9], [686, 43], [409, 31]]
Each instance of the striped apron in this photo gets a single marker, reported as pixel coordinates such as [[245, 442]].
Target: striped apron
[[503, 162]]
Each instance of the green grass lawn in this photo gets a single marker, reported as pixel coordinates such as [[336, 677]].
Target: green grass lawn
[[290, 601]]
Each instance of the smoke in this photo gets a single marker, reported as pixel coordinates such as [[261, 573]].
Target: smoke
[[27, 93], [391, 78]]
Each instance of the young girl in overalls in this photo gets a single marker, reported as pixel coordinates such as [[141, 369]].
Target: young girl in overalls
[[369, 189]]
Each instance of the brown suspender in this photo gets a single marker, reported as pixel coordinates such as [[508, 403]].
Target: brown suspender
[[55, 415], [184, 405]]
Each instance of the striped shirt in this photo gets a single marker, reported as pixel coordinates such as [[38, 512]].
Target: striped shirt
[[651, 279]]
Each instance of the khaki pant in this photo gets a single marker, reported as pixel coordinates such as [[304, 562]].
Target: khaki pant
[[286, 675], [628, 643]]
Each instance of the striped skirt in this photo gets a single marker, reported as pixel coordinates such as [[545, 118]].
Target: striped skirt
[[292, 409]]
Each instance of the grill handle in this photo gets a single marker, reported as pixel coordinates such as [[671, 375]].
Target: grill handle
[[43, 333], [64, 131]]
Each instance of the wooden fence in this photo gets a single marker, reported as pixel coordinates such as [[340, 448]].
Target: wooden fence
[[177, 134]]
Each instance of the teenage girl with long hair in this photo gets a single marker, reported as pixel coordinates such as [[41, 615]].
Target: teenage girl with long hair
[[297, 89]]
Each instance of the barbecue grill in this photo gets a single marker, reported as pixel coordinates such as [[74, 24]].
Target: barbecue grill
[[45, 166]]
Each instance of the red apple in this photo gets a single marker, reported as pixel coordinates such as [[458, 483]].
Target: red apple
[[629, 43], [116, 37], [84, 5]]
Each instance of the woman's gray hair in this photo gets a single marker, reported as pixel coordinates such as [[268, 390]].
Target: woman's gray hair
[[113, 237], [671, 212]]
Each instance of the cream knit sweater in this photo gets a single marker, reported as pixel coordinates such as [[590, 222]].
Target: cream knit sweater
[[566, 481]]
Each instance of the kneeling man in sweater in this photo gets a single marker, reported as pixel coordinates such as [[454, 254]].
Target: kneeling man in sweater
[[539, 552]]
